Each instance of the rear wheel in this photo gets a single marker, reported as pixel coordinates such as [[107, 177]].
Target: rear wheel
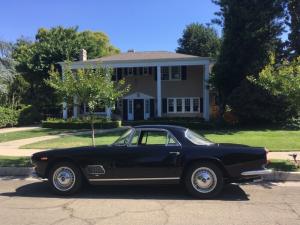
[[204, 180], [65, 178]]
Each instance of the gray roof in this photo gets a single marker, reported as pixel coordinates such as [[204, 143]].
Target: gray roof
[[146, 55]]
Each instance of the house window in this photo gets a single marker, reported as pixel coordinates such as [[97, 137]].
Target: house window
[[175, 73], [187, 105], [183, 105], [196, 105], [165, 73], [178, 105], [146, 70], [171, 105]]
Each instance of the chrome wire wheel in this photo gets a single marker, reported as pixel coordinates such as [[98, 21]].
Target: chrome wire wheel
[[63, 178], [204, 180]]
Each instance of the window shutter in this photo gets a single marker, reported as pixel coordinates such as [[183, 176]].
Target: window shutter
[[125, 112], [119, 73], [151, 108], [183, 72], [134, 70], [125, 71], [201, 105], [164, 105], [150, 70]]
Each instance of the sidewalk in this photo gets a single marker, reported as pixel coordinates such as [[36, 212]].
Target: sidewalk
[[13, 129], [283, 155]]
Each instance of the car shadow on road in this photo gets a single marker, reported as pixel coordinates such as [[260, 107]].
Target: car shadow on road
[[156, 192]]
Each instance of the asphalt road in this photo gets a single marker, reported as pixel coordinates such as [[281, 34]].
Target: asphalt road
[[30, 202]]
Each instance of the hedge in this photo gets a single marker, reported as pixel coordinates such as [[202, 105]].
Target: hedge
[[193, 123], [59, 124]]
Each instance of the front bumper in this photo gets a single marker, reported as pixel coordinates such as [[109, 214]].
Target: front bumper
[[257, 172]]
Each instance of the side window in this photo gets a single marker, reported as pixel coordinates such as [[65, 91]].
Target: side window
[[153, 138], [135, 138], [171, 141]]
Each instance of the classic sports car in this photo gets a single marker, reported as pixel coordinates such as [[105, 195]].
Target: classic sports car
[[153, 154]]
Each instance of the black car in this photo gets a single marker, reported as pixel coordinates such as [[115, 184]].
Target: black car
[[153, 154]]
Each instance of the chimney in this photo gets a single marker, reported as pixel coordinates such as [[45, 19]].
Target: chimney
[[131, 50], [83, 55]]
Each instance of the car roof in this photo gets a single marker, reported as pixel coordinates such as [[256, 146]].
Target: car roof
[[167, 127]]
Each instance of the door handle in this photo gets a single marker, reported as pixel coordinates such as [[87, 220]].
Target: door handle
[[175, 153]]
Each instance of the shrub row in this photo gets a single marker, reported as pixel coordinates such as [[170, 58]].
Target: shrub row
[[192, 123], [61, 124]]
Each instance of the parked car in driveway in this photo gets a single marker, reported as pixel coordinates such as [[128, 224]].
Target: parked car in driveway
[[153, 154]]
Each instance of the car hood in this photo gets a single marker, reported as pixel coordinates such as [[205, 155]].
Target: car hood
[[69, 151]]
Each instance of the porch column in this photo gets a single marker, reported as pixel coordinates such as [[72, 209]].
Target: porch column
[[206, 108], [108, 112], [158, 91], [75, 107], [65, 111]]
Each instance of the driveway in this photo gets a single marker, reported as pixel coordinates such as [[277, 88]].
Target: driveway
[[29, 202], [13, 129]]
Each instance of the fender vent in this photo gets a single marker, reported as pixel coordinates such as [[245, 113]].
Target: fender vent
[[95, 169]]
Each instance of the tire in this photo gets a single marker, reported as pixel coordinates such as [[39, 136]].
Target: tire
[[211, 183], [65, 178]]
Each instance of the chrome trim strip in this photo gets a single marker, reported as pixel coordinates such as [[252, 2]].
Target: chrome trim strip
[[256, 172], [136, 179]]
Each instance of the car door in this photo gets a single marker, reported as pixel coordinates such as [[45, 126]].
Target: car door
[[152, 154]]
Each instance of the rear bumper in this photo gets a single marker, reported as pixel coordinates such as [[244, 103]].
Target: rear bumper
[[256, 172]]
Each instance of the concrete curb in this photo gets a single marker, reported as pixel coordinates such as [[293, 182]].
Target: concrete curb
[[16, 171], [282, 176], [274, 176]]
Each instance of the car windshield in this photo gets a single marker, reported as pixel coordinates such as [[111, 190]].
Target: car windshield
[[124, 139], [196, 138]]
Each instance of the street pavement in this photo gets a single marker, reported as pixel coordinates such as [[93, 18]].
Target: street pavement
[[28, 201]]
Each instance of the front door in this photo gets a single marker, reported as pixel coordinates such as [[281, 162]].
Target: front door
[[138, 109]]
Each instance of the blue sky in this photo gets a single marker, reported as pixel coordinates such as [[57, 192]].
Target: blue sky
[[130, 24]]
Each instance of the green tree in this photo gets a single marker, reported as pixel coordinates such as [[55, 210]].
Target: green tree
[[294, 24], [251, 30], [12, 85], [49, 47], [282, 80], [199, 40], [93, 87]]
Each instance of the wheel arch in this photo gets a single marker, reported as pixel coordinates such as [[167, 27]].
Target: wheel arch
[[215, 161], [60, 160]]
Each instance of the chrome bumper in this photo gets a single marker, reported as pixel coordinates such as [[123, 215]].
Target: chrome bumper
[[256, 172]]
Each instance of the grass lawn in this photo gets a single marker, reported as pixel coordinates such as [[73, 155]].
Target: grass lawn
[[283, 165], [11, 136], [10, 161], [75, 141], [274, 140]]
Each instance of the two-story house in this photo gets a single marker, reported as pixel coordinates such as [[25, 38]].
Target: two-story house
[[162, 84]]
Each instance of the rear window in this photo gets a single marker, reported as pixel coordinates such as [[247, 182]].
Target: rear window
[[196, 138]]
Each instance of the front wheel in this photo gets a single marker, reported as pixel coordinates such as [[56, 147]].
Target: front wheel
[[204, 180], [65, 178]]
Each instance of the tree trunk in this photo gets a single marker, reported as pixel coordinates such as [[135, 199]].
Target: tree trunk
[[93, 130]]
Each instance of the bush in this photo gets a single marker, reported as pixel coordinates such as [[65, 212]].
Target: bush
[[79, 124], [8, 117], [28, 115]]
